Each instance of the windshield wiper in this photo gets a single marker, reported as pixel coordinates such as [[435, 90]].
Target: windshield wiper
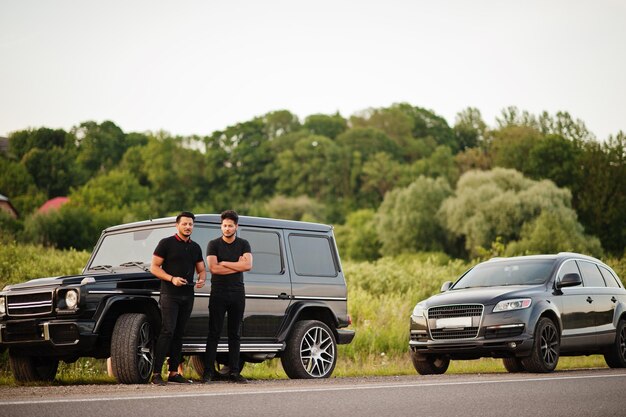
[[137, 264], [101, 267]]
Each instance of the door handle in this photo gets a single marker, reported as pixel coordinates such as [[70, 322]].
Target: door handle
[[614, 299], [284, 296], [589, 300]]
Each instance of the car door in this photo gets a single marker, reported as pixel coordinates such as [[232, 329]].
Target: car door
[[604, 300], [268, 285], [599, 296], [577, 312]]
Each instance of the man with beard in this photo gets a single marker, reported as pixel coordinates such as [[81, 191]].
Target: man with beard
[[174, 262], [228, 258]]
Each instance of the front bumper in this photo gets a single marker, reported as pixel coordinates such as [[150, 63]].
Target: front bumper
[[498, 335], [47, 336]]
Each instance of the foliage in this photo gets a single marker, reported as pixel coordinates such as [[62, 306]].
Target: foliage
[[339, 165], [406, 220], [22, 262], [357, 238], [503, 203]]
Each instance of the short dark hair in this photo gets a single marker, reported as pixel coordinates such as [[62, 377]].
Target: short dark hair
[[231, 215], [185, 214]]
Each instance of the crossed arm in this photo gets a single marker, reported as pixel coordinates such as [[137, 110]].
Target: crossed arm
[[224, 268]]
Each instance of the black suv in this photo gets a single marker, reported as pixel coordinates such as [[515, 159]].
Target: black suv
[[296, 303], [528, 310]]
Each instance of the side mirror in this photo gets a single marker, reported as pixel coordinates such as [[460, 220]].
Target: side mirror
[[569, 280], [446, 286]]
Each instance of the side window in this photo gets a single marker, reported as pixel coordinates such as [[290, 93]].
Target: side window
[[266, 253], [202, 235], [312, 255], [609, 278], [591, 274], [569, 267]]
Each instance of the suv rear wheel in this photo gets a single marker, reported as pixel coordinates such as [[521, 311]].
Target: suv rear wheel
[[311, 351], [615, 357], [132, 349], [430, 364], [545, 351], [33, 368]]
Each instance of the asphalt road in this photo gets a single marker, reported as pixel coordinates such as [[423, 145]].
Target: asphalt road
[[596, 392]]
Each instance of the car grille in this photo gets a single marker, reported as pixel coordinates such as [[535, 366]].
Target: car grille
[[475, 311], [29, 304]]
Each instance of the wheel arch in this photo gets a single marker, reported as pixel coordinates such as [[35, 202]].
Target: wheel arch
[[548, 310], [116, 306], [313, 310]]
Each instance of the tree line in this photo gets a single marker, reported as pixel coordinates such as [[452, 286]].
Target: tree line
[[392, 180]]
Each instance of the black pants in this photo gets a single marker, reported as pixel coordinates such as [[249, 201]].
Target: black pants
[[175, 312], [222, 303]]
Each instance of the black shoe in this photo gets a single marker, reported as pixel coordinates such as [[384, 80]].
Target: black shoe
[[179, 379], [237, 379], [157, 379], [207, 379]]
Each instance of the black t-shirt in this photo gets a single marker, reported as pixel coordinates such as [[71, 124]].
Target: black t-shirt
[[179, 260], [229, 252]]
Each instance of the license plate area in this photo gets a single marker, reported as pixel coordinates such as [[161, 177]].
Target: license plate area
[[453, 323]]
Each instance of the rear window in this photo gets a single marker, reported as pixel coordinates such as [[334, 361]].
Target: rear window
[[513, 272], [312, 255]]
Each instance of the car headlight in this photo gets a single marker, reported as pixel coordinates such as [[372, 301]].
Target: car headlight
[[71, 299], [3, 307], [509, 305], [418, 311]]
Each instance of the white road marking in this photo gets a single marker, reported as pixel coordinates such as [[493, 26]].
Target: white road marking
[[300, 390]]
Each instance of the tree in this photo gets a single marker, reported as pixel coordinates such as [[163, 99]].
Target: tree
[[368, 141], [469, 128], [101, 146], [555, 158], [53, 170], [380, 174], [552, 232], [511, 146], [498, 204], [439, 164], [357, 238], [115, 189], [295, 208], [406, 221], [325, 125], [600, 191], [278, 123], [316, 167], [23, 141]]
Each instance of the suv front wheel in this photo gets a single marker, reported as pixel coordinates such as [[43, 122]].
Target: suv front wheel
[[311, 351], [33, 368], [430, 364], [132, 349]]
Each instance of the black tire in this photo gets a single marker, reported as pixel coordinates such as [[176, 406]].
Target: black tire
[[545, 350], [197, 361], [311, 351], [430, 364], [33, 368], [132, 349], [513, 365], [615, 357]]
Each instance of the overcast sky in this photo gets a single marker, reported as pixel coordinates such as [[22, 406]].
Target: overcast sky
[[193, 67]]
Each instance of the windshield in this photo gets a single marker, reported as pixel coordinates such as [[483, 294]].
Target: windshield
[[130, 248], [507, 272]]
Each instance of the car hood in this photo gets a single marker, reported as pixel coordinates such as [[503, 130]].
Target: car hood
[[45, 282], [481, 295]]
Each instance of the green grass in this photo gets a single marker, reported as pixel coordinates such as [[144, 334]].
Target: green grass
[[381, 296]]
